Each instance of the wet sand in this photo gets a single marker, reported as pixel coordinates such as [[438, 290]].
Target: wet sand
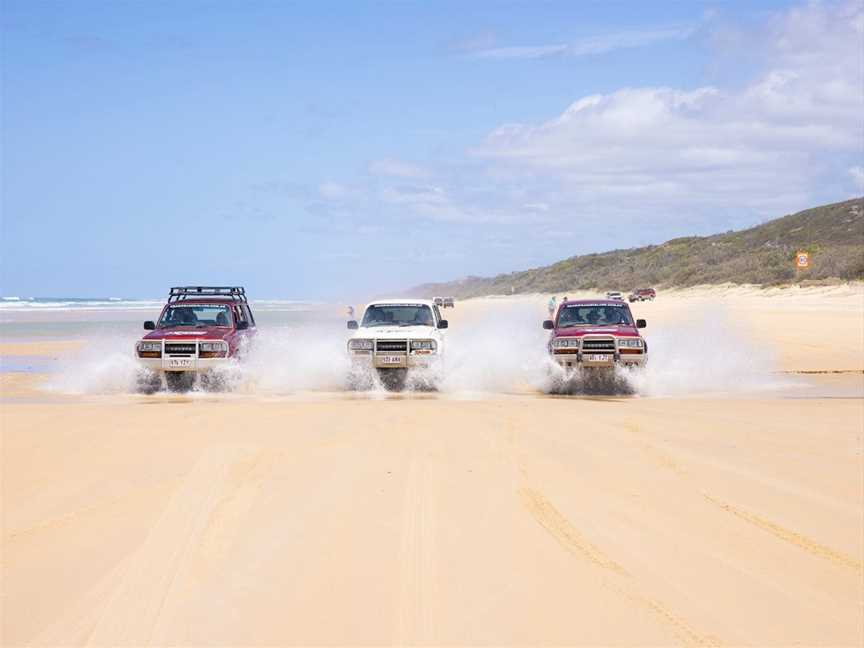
[[501, 519]]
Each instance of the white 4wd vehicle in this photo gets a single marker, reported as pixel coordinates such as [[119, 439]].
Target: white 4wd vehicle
[[399, 340]]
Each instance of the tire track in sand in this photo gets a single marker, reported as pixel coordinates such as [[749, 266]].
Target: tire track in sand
[[615, 576], [160, 576], [792, 537], [782, 533], [415, 555], [563, 531]]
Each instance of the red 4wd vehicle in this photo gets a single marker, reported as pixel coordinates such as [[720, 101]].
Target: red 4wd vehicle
[[201, 328], [642, 294], [596, 333]]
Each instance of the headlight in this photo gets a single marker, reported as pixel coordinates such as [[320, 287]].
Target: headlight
[[427, 345], [564, 343], [630, 342], [213, 347], [360, 345], [149, 347]]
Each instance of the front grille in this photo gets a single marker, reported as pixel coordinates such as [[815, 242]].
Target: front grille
[[180, 349], [392, 345], [595, 345]]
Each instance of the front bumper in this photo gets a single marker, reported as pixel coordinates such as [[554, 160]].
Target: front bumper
[[187, 364], [185, 356], [383, 360], [572, 359]]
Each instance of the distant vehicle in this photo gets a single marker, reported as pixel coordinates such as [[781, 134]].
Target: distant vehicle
[[594, 334], [614, 294], [200, 329], [397, 337], [439, 301], [642, 294], [449, 303]]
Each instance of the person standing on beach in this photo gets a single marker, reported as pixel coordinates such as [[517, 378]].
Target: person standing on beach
[[552, 304], [350, 312]]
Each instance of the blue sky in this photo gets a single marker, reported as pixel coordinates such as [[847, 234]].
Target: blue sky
[[318, 150]]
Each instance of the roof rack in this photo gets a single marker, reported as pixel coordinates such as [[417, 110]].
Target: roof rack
[[181, 293]]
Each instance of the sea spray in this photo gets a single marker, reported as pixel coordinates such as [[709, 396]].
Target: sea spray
[[706, 353], [499, 349], [104, 365]]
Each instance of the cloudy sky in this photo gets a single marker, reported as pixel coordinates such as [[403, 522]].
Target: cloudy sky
[[318, 150]]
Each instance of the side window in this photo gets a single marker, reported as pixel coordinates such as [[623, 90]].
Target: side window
[[247, 314], [238, 314], [438, 317]]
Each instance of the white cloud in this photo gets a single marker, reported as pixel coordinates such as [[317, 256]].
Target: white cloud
[[397, 169], [537, 207], [413, 195], [521, 52], [715, 156], [332, 190], [767, 147], [589, 46]]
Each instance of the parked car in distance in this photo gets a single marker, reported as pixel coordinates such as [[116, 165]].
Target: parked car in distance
[[642, 294], [449, 302], [615, 294]]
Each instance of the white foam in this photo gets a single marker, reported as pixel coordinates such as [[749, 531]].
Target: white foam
[[106, 365], [286, 359], [707, 354], [504, 350], [498, 350]]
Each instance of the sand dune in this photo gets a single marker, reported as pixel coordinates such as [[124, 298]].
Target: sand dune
[[492, 518]]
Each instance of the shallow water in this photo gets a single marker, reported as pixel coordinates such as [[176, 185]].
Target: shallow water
[[500, 352]]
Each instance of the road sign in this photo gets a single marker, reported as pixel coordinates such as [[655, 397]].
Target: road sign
[[802, 260]]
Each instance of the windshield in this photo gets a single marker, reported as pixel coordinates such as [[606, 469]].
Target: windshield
[[594, 315], [196, 315], [398, 315]]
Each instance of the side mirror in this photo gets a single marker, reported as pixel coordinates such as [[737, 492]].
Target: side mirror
[[352, 324], [548, 325], [641, 323], [443, 324], [242, 325], [149, 326]]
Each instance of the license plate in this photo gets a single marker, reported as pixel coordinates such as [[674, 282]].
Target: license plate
[[179, 363], [390, 359], [597, 357]]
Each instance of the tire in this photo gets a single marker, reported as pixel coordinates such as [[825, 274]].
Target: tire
[[211, 381], [393, 379], [179, 381], [148, 382]]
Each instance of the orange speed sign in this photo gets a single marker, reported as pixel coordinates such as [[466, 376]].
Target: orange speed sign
[[802, 260]]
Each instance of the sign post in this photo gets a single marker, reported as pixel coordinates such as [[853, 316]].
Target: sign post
[[802, 260]]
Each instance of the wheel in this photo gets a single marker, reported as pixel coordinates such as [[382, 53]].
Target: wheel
[[393, 379], [213, 382], [148, 382], [179, 381]]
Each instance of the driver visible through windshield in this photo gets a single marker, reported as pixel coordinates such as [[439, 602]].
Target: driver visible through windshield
[[398, 315], [196, 315], [594, 315]]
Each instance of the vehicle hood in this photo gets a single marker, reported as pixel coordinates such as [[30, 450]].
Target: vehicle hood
[[396, 332], [618, 331], [182, 333]]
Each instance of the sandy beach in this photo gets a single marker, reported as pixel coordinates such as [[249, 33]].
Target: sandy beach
[[721, 505]]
